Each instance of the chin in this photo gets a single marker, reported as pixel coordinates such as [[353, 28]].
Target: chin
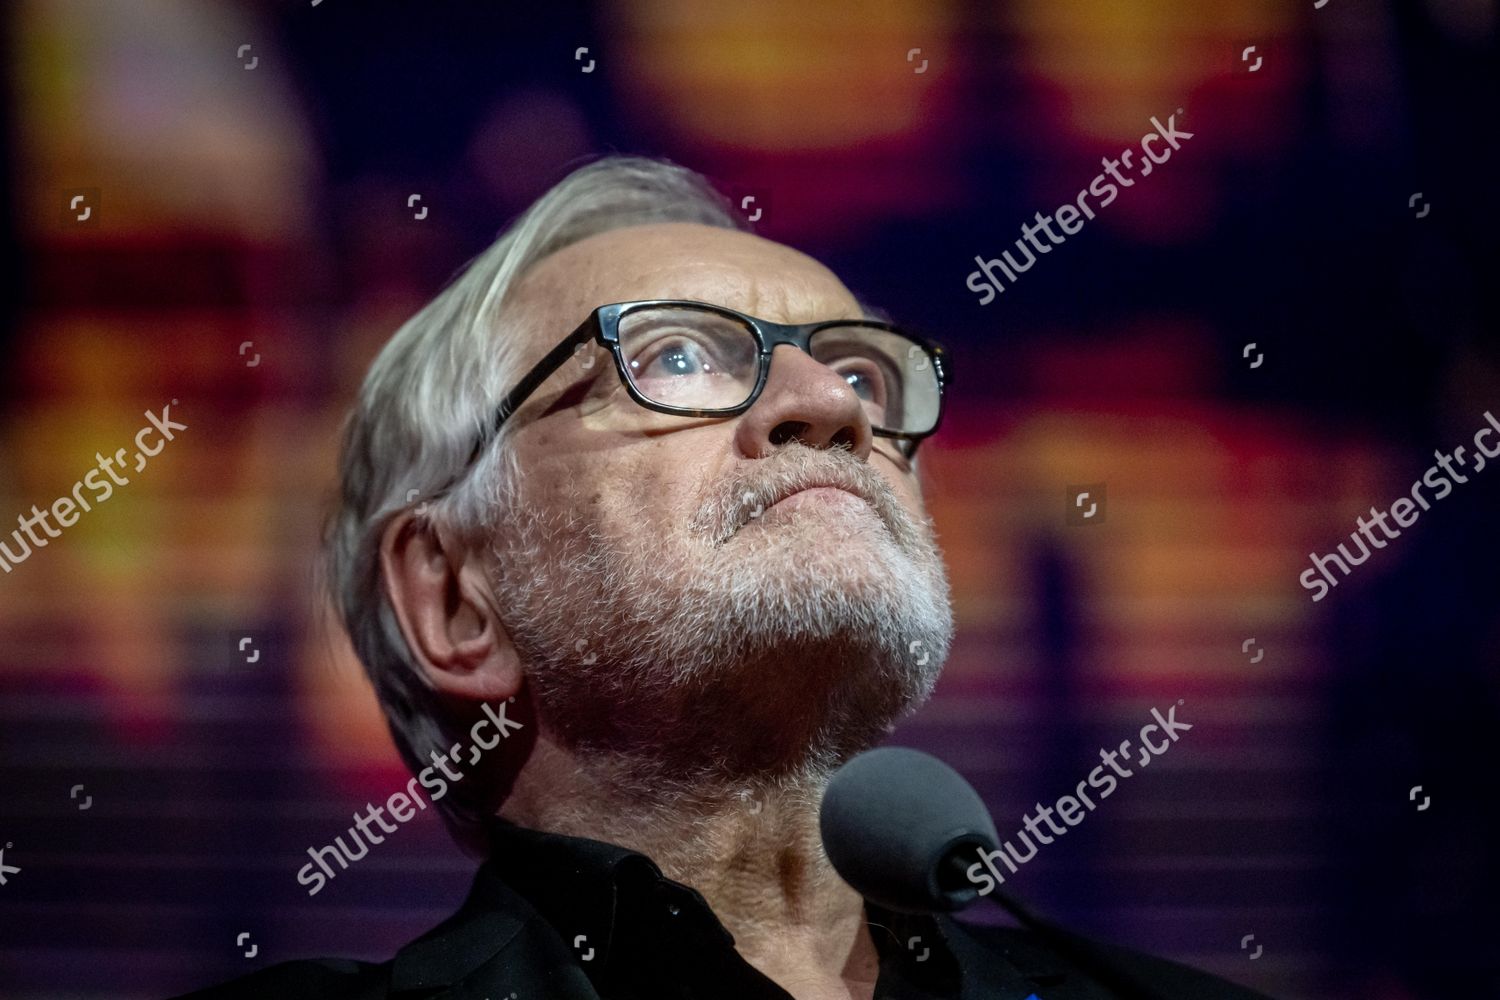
[[798, 642], [831, 572], [830, 658]]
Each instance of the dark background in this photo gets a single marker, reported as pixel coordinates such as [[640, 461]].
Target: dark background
[[270, 205]]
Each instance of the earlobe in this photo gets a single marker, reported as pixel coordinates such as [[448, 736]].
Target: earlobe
[[439, 592]]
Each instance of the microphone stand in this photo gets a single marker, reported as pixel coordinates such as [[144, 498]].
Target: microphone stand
[[1081, 951]]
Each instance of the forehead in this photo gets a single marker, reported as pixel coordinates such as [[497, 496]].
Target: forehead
[[679, 261]]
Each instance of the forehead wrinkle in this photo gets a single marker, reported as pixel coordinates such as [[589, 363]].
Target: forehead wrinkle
[[743, 272], [784, 297], [777, 294]]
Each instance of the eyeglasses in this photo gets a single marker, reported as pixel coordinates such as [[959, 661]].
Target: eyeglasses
[[694, 359]]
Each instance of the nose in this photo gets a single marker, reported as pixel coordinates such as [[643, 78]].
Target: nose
[[807, 402]]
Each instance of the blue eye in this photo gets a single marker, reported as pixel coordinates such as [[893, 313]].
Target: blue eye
[[866, 377], [675, 357], [864, 386], [683, 358], [691, 361]]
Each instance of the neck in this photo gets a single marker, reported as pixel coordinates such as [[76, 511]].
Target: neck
[[752, 849]]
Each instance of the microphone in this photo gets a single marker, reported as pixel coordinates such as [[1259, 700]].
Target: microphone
[[902, 828], [892, 821]]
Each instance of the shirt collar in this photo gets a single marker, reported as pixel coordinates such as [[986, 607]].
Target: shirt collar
[[488, 922], [590, 891]]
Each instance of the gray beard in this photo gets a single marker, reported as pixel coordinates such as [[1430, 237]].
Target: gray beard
[[724, 656]]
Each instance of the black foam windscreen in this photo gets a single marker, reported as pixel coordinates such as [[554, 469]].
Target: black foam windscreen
[[893, 819]]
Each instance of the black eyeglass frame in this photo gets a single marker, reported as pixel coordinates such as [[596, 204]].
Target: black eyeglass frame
[[603, 328]]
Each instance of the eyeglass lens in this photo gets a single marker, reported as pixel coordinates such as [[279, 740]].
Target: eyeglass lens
[[700, 359]]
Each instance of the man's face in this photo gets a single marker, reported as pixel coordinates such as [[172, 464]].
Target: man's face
[[750, 596]]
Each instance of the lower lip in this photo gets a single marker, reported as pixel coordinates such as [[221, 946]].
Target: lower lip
[[826, 493]]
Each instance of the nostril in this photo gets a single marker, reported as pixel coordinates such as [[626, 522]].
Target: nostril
[[788, 430], [843, 439]]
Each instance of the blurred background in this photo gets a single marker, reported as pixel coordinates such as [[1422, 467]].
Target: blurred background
[[213, 203]]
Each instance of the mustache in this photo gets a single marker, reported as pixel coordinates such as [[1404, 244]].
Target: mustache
[[767, 481]]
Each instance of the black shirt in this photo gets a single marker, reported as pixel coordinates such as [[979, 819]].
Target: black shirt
[[568, 918], [640, 935]]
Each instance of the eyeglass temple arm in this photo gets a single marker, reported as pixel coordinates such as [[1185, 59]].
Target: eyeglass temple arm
[[540, 372]]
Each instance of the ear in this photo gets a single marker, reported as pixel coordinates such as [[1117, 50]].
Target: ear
[[442, 599]]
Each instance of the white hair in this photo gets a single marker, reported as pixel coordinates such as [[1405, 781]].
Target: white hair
[[430, 395]]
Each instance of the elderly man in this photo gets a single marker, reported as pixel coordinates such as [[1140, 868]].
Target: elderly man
[[646, 481]]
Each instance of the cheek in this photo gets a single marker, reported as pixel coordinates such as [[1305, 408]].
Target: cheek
[[657, 485], [543, 471], [633, 486], [646, 488], [908, 493], [622, 498]]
